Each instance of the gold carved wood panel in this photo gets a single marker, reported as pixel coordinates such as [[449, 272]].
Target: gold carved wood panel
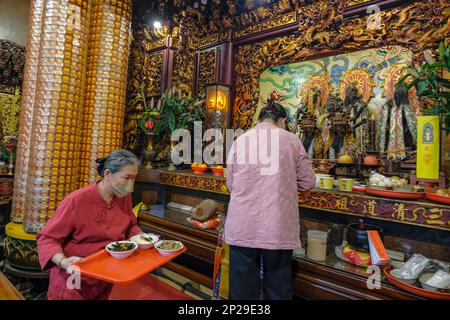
[[153, 64], [206, 70], [9, 109], [183, 71], [273, 23], [324, 32]]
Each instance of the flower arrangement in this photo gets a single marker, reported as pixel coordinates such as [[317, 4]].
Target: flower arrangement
[[8, 148], [151, 116]]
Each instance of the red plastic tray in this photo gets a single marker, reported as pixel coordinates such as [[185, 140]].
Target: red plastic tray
[[359, 189], [102, 266], [437, 198], [395, 194], [413, 289]]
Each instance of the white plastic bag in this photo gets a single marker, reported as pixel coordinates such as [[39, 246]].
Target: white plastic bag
[[413, 267]]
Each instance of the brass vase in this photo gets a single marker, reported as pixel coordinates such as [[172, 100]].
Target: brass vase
[[171, 166], [149, 151], [11, 164]]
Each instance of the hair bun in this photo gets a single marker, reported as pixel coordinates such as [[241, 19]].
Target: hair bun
[[101, 165], [101, 160], [270, 105]]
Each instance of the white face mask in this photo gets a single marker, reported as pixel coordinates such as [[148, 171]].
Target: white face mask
[[123, 189]]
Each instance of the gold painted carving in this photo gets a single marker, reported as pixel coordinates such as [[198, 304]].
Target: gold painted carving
[[207, 70], [183, 71], [149, 46], [153, 67], [351, 3], [9, 110], [276, 22], [209, 40]]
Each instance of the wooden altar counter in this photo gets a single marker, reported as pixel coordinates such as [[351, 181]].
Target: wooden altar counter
[[422, 212], [409, 226]]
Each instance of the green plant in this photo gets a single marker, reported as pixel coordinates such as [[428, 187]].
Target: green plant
[[431, 87], [179, 111]]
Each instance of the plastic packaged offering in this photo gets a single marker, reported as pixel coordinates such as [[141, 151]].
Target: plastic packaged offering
[[358, 258], [413, 267], [379, 180], [440, 279]]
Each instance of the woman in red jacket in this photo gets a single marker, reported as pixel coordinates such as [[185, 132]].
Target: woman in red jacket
[[85, 222]]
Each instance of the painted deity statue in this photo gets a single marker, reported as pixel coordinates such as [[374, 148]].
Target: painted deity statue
[[398, 128], [322, 145], [357, 111], [314, 104]]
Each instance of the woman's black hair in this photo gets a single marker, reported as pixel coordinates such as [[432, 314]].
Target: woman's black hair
[[272, 110], [115, 161]]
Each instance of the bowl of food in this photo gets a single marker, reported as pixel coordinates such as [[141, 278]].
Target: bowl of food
[[121, 249], [396, 274], [168, 247], [145, 241]]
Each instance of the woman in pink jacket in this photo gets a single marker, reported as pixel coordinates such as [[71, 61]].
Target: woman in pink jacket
[[266, 167]]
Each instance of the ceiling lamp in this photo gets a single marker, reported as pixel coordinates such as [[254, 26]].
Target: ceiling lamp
[[157, 24]]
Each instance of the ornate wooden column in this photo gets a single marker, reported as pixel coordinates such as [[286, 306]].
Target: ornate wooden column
[[104, 103], [168, 62], [26, 111], [225, 63], [55, 149]]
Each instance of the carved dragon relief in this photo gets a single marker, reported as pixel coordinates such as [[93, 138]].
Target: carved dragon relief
[[324, 32]]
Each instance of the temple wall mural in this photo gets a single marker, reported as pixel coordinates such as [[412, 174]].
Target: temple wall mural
[[318, 90]]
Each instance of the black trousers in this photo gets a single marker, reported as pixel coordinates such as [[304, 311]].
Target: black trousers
[[245, 282]]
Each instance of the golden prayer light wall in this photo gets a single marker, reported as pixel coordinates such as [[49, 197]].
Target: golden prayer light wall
[[26, 114], [56, 134], [106, 82]]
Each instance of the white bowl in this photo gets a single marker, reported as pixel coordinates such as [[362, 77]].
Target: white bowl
[[145, 244], [167, 252], [427, 276], [395, 274], [119, 255]]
